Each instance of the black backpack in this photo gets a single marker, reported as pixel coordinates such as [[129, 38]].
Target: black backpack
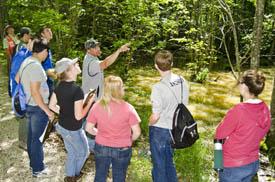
[[184, 131]]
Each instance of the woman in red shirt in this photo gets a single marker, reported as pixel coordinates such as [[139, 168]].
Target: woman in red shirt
[[243, 127], [117, 127]]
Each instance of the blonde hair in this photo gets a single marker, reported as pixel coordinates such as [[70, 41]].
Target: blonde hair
[[113, 89], [64, 75]]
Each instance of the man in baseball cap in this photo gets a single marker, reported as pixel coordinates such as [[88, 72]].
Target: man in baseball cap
[[92, 72]]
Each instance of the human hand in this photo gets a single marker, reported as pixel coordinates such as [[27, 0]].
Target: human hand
[[50, 115], [124, 48], [94, 131]]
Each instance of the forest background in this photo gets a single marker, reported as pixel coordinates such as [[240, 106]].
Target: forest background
[[208, 38]]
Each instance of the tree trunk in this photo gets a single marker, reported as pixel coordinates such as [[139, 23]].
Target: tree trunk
[[3, 14], [257, 34], [270, 139], [272, 49], [227, 9]]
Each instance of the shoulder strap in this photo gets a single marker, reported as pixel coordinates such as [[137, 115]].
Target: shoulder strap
[[89, 70], [21, 75], [181, 101]]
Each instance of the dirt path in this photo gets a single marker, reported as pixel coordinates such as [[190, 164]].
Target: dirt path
[[14, 161]]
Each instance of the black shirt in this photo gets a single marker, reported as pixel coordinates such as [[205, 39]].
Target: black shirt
[[67, 93]]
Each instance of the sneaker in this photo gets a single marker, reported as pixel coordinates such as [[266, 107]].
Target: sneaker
[[40, 174]]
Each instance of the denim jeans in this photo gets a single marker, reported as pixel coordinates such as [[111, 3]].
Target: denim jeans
[[77, 148], [37, 123], [118, 157], [91, 141], [239, 174], [162, 155]]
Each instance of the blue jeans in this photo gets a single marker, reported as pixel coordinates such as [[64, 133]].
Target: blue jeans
[[162, 155], [118, 157], [239, 174], [37, 123], [91, 141], [77, 148]]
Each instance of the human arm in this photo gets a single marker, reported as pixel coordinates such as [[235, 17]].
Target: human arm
[[53, 103], [136, 131], [17, 77], [90, 128], [81, 111], [112, 58], [48, 66], [35, 93], [228, 124], [154, 118], [156, 106], [51, 73]]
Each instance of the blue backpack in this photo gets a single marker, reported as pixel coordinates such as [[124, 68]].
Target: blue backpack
[[17, 60], [19, 101]]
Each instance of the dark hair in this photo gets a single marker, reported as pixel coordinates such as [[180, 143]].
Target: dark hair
[[39, 45], [254, 80], [23, 31]]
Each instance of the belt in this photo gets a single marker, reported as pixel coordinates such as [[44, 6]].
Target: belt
[[90, 136]]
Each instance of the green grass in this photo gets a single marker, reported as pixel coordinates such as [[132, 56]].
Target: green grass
[[208, 102]]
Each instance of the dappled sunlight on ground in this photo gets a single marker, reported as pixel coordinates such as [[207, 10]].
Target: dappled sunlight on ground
[[208, 103]]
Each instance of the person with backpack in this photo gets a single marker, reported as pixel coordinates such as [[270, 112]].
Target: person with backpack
[[17, 60], [165, 97], [34, 81], [92, 72], [67, 100], [242, 129], [117, 128], [24, 36]]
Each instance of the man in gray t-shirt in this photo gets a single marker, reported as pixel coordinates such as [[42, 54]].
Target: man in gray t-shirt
[[92, 72], [92, 69], [33, 79], [165, 96]]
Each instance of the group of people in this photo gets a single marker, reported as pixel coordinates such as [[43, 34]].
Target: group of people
[[107, 125]]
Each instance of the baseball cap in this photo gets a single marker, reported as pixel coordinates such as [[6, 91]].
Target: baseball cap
[[91, 43], [24, 30], [63, 64]]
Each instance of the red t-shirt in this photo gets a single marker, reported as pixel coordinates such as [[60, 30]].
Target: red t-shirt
[[243, 127], [114, 127]]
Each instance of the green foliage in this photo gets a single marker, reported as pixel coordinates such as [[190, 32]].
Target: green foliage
[[195, 158]]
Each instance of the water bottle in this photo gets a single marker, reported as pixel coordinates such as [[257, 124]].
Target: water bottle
[[218, 157]]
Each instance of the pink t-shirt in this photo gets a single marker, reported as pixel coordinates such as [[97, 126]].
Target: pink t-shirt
[[244, 126], [114, 128]]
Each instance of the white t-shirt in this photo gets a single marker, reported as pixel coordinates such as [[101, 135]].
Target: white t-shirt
[[164, 102]]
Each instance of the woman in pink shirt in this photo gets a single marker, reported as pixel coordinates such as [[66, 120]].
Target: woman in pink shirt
[[117, 127], [243, 127]]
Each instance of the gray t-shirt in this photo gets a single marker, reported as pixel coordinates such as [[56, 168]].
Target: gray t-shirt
[[164, 102], [34, 72], [92, 75]]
